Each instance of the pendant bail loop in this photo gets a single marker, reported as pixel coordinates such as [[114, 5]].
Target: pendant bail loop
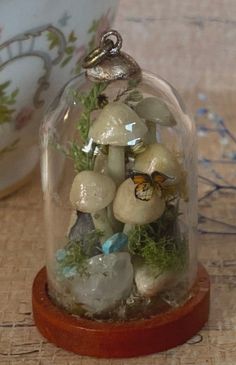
[[107, 62], [116, 46]]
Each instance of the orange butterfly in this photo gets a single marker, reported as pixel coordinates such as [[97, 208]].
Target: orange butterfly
[[146, 184]]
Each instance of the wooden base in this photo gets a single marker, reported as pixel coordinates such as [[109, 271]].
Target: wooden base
[[134, 338]]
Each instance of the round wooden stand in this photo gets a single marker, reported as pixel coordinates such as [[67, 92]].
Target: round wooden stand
[[134, 338]]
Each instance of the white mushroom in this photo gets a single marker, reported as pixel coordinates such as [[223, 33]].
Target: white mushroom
[[131, 210], [154, 110], [92, 192], [159, 158], [117, 126], [100, 164]]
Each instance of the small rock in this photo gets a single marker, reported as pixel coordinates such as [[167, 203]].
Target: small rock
[[80, 228], [108, 279], [115, 243], [151, 281], [60, 254], [81, 225], [69, 272]]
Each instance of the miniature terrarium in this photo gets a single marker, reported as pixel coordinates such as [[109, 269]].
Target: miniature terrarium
[[119, 183]]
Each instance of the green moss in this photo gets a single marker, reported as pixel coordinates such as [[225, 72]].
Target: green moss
[[166, 254], [73, 149], [90, 102], [82, 160], [72, 259], [159, 244]]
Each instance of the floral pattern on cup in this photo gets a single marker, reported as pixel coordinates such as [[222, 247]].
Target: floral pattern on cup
[[7, 101], [65, 51], [24, 117]]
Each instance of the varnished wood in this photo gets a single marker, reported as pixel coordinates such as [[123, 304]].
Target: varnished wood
[[134, 338]]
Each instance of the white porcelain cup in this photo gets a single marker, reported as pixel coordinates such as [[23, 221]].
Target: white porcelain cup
[[42, 44]]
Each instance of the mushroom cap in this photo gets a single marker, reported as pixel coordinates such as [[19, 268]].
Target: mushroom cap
[[159, 158], [128, 209], [117, 125], [91, 191], [155, 110]]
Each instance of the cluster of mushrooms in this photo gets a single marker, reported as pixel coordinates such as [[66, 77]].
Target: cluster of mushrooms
[[108, 193]]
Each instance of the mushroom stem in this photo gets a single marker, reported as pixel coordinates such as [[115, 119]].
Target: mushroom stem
[[101, 222], [100, 164], [151, 136], [128, 227], [116, 170], [116, 164], [116, 225]]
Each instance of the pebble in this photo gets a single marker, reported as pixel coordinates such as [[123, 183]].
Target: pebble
[[82, 226], [108, 280], [115, 243], [150, 282]]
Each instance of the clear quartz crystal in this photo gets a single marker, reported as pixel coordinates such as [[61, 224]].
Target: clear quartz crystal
[[119, 180]]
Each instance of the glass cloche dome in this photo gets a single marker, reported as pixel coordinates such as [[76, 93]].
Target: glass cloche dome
[[119, 182], [118, 166]]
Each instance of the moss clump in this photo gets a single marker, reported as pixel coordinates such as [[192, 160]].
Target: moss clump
[[166, 254], [72, 259], [159, 244]]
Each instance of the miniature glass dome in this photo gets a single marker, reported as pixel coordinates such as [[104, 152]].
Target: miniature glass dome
[[119, 182]]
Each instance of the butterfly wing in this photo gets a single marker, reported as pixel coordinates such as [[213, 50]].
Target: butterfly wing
[[140, 178], [144, 191], [144, 187], [159, 178]]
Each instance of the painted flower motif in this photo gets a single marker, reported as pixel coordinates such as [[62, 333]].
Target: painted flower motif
[[24, 117], [63, 21]]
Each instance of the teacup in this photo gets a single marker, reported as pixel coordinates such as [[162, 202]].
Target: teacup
[[42, 44]]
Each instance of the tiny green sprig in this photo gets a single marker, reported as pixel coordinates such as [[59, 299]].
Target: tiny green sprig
[[82, 160], [73, 150], [134, 96], [130, 95], [90, 102]]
